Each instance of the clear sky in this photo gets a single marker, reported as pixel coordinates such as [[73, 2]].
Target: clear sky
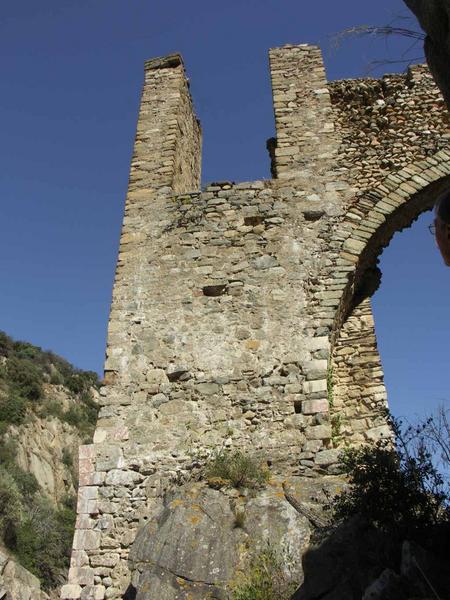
[[71, 78]]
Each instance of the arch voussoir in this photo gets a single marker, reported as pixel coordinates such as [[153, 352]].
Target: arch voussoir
[[397, 190]]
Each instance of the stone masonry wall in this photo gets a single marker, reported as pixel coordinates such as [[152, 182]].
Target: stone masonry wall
[[230, 304], [357, 391], [382, 124], [306, 142]]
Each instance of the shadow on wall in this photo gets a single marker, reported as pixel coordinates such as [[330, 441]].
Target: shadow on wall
[[130, 594], [357, 561]]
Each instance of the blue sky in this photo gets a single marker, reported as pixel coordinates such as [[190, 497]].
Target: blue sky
[[71, 79]]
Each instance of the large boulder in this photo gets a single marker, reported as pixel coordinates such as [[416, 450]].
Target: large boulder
[[204, 537]]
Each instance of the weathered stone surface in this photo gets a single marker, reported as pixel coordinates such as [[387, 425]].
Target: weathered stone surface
[[16, 583], [122, 478], [41, 443], [193, 547], [327, 457]]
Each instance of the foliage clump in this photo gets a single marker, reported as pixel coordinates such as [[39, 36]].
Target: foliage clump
[[25, 368], [266, 579], [397, 487], [236, 469]]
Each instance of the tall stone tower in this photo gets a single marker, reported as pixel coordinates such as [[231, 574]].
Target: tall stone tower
[[241, 314]]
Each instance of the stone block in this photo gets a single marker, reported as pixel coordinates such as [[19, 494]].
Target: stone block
[[327, 457], [312, 446], [81, 575], [109, 457], [311, 407], [99, 592], [119, 477], [207, 389], [93, 507], [100, 435], [86, 465], [109, 559], [318, 343], [85, 495], [318, 385], [120, 433], [378, 433], [315, 374], [265, 262], [84, 521], [79, 558], [87, 451], [71, 592], [86, 539], [157, 376], [319, 432]]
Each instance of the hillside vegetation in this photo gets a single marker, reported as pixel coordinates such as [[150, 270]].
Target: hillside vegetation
[[40, 392]]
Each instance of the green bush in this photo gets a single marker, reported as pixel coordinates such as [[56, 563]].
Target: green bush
[[26, 482], [11, 507], [74, 416], [8, 452], [51, 408], [38, 533], [6, 344], [21, 385], [25, 378], [83, 415], [397, 489], [24, 350], [44, 541], [236, 469], [81, 381], [265, 579], [56, 378], [12, 409], [67, 458]]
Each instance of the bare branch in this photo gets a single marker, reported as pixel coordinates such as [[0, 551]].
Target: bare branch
[[371, 30]]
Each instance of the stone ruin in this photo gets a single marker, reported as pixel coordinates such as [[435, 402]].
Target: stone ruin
[[241, 316]]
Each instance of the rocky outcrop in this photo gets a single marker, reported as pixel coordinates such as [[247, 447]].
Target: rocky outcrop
[[434, 18], [47, 447], [47, 410], [16, 583], [202, 538]]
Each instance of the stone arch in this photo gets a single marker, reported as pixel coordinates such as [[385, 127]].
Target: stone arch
[[390, 207], [359, 395]]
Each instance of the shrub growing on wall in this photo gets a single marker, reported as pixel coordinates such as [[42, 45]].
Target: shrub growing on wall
[[236, 469]]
